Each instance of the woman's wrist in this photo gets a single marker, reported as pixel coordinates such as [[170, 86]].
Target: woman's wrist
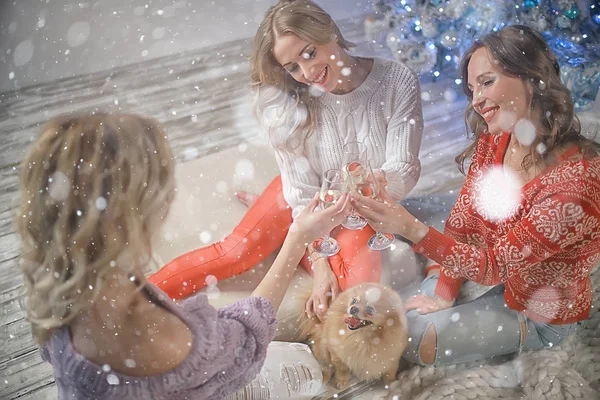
[[297, 238], [415, 230], [319, 264], [420, 230]]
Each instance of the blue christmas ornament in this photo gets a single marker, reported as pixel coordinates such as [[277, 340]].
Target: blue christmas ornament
[[435, 2], [572, 13], [596, 19], [530, 3]]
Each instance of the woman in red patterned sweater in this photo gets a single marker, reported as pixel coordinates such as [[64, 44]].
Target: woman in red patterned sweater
[[527, 220]]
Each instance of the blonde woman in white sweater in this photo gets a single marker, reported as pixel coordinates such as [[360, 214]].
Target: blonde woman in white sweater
[[312, 97]]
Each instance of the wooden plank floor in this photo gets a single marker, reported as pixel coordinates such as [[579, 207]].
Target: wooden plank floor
[[202, 97]]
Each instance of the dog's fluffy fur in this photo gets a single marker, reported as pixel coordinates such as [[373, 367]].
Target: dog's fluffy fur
[[364, 334]]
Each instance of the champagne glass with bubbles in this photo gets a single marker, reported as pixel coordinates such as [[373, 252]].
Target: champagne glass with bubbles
[[355, 156], [368, 186], [332, 188]]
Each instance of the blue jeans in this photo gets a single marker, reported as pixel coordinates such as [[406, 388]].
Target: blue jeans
[[479, 329]]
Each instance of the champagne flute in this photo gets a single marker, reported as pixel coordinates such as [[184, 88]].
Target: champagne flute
[[369, 187], [355, 155], [332, 188]]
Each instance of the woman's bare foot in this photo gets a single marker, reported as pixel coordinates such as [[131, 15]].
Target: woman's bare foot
[[246, 198]]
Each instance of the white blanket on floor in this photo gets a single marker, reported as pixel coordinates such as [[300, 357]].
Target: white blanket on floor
[[568, 371]]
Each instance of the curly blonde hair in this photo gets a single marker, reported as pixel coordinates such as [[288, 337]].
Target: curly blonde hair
[[94, 188], [522, 52], [276, 92]]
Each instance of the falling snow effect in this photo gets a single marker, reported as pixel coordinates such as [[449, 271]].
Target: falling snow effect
[[450, 95], [23, 53], [41, 22], [541, 148], [82, 34], [498, 194], [212, 291], [78, 33], [506, 119], [222, 187], [59, 186], [139, 11], [372, 295], [112, 379], [525, 132], [244, 170], [205, 237], [158, 33], [315, 91], [101, 203], [190, 153]]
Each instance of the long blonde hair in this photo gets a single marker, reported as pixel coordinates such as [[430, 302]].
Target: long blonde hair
[[93, 189], [522, 52], [277, 95]]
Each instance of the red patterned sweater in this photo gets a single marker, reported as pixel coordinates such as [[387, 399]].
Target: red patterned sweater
[[541, 241]]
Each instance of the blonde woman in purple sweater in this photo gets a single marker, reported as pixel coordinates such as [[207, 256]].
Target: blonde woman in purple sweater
[[94, 189]]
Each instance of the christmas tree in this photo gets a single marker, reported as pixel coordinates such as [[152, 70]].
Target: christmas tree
[[430, 35]]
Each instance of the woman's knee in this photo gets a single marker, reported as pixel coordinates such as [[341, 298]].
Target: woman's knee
[[428, 348], [422, 342]]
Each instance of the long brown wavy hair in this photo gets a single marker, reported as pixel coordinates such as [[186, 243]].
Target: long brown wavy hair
[[93, 189], [277, 95], [522, 52]]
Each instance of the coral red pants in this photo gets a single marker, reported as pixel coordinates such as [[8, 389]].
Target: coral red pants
[[260, 232]]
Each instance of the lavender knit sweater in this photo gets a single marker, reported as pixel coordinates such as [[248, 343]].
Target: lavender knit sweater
[[228, 350]]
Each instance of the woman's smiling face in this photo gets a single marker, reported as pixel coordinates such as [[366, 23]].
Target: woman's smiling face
[[309, 63], [501, 100]]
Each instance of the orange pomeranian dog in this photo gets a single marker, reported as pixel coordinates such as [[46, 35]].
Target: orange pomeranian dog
[[364, 334]]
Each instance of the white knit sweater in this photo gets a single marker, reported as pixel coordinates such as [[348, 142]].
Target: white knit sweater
[[384, 113]]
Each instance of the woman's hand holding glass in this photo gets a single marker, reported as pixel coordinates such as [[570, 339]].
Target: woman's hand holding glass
[[387, 215], [333, 190], [367, 184], [355, 155], [311, 224]]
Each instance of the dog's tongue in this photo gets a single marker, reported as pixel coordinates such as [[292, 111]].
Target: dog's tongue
[[352, 321]]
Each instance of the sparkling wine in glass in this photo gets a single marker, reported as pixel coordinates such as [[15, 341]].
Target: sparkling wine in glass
[[332, 188], [369, 187], [355, 156]]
